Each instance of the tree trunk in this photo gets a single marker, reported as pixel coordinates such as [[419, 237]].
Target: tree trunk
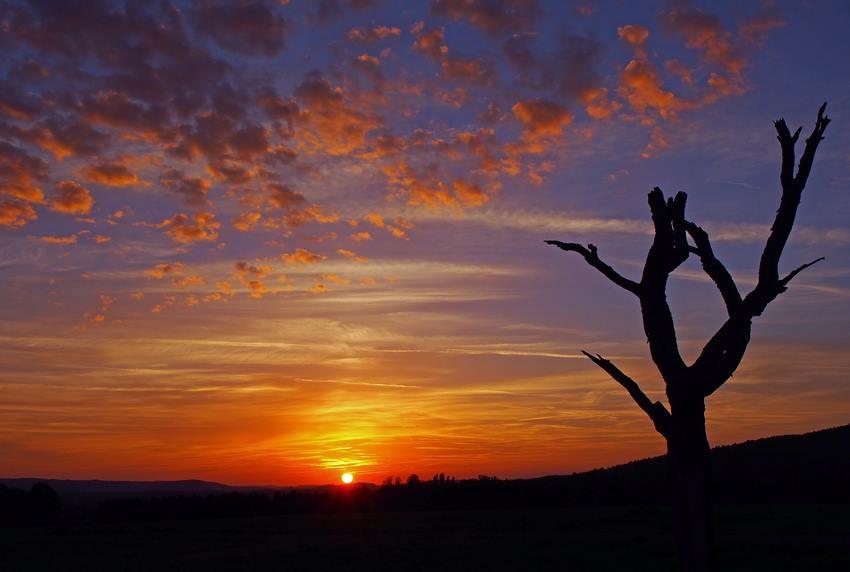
[[690, 464]]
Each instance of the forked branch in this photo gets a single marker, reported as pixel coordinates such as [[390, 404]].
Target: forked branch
[[805, 166], [669, 249], [714, 268], [656, 411], [768, 286], [592, 257]]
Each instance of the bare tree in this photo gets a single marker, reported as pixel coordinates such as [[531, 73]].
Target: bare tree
[[687, 386]]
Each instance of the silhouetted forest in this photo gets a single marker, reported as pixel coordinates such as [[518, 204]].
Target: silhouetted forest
[[39, 505], [811, 468]]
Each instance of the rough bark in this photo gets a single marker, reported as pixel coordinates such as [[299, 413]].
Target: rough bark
[[687, 386]]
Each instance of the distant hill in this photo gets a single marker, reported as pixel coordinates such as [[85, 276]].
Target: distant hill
[[812, 467], [73, 489]]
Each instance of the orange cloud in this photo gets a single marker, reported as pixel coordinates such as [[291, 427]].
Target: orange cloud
[[431, 42], [186, 229], [281, 197], [375, 219], [633, 34], [252, 277], [167, 300], [229, 171], [640, 85], [367, 59], [190, 280], [373, 34], [313, 213], [657, 142], [469, 193], [164, 269], [72, 198], [397, 232], [597, 105], [537, 171], [336, 279], [421, 187], [330, 125], [302, 256], [246, 221], [13, 213], [383, 146], [111, 174], [542, 118], [245, 269], [223, 292], [19, 173], [361, 236], [70, 239], [65, 137], [404, 223], [425, 187], [345, 253], [704, 32]]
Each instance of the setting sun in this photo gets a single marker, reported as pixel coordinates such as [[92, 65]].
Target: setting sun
[[347, 478]]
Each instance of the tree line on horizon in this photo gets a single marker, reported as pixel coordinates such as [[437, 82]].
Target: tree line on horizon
[[812, 468]]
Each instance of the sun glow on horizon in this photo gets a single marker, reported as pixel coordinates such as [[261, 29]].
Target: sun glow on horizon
[[347, 478]]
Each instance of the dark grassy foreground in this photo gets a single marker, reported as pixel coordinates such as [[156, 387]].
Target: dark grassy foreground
[[759, 537]]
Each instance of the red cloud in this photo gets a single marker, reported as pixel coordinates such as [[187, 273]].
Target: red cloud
[[704, 32], [13, 213], [20, 173], [542, 118], [72, 198], [112, 174]]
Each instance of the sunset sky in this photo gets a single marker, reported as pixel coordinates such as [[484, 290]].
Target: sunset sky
[[270, 242]]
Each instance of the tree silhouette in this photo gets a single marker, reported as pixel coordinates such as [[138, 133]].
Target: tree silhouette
[[687, 386]]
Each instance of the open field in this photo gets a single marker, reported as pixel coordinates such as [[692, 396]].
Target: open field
[[804, 537]]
